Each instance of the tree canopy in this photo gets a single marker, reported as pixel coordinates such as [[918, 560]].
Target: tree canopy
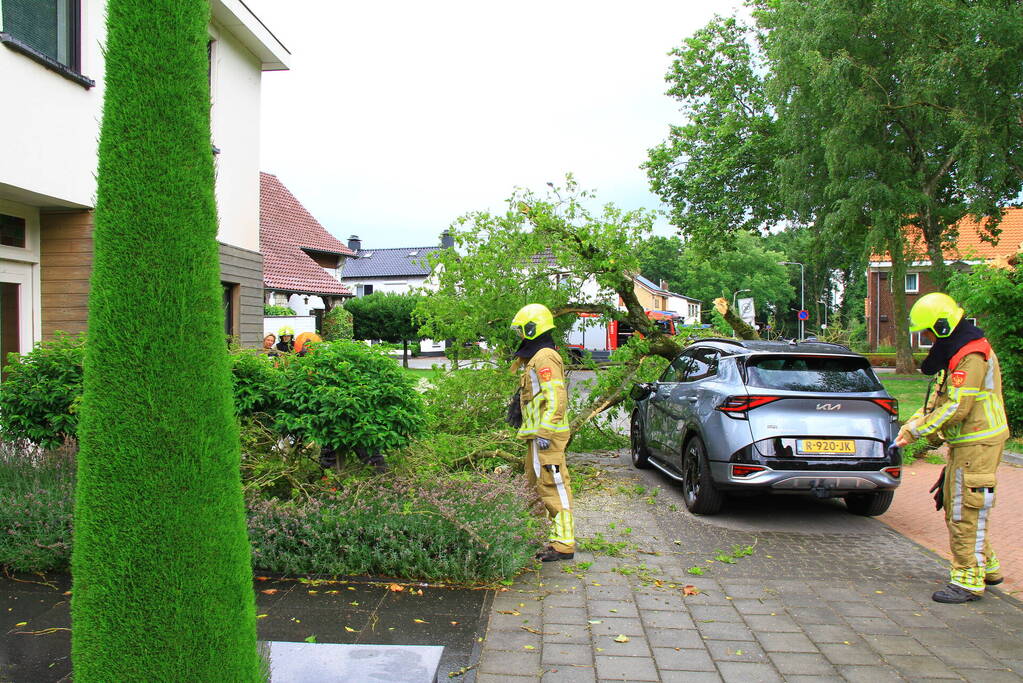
[[386, 316]]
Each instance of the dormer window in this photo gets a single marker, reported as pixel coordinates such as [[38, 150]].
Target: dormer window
[[414, 252]]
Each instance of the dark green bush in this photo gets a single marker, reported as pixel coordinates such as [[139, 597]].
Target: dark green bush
[[255, 381], [337, 324], [455, 530], [39, 398], [345, 394], [271, 309]]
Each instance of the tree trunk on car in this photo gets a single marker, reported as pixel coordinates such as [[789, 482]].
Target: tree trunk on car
[[743, 329]]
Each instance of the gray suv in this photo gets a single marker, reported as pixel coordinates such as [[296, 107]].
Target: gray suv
[[730, 417]]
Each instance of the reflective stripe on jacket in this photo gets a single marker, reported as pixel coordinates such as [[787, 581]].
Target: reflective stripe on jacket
[[968, 407], [544, 397]]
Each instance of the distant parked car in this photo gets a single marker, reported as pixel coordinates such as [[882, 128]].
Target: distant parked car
[[730, 417]]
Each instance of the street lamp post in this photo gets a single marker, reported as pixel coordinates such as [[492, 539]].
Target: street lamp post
[[802, 289], [823, 301]]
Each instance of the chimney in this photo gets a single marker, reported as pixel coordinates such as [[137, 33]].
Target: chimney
[[354, 243], [447, 240], [664, 285]]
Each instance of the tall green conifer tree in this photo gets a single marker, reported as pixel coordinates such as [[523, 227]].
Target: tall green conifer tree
[[161, 564]]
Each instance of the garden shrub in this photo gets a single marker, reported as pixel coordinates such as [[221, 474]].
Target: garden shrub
[[345, 394], [255, 381], [273, 309], [337, 324], [39, 400], [36, 494], [459, 531]]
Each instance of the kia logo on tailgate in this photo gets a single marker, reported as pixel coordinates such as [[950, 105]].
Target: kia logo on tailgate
[[829, 406]]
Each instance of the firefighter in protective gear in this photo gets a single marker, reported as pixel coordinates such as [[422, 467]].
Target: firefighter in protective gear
[[543, 398], [967, 412]]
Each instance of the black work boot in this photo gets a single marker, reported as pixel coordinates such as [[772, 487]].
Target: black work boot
[[549, 554], [993, 580], [954, 595]]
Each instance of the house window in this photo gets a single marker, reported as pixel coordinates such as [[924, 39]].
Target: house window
[[12, 231], [48, 27], [912, 283], [230, 304], [694, 312], [363, 290]]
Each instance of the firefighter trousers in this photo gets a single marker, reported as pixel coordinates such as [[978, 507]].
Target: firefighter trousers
[[969, 498], [553, 486]]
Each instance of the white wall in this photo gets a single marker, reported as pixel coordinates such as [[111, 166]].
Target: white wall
[[236, 78], [395, 285], [300, 323], [51, 124]]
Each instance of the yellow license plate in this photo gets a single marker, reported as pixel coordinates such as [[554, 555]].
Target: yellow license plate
[[826, 446]]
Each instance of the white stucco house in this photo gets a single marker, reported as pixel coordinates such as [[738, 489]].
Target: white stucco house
[[51, 66], [396, 270]]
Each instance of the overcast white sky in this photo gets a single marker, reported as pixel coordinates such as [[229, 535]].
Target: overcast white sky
[[397, 117]]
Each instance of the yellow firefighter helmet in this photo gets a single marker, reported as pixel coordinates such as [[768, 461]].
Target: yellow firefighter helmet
[[532, 320], [936, 312]]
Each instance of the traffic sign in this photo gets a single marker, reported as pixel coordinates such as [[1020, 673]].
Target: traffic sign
[[803, 315]]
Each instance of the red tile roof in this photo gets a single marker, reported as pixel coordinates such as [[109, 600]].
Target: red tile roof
[[285, 228], [969, 246]]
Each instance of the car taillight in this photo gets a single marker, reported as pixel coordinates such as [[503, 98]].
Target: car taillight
[[893, 472], [737, 406], [746, 470], [889, 404]]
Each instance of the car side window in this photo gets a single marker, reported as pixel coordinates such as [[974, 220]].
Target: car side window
[[676, 372], [705, 364]]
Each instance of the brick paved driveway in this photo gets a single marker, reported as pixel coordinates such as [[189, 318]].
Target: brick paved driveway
[[824, 596]]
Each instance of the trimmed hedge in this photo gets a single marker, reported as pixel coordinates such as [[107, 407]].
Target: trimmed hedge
[[161, 563]]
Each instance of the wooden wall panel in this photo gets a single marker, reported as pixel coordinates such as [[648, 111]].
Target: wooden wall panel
[[65, 264]]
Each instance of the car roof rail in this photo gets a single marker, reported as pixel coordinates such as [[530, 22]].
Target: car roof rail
[[724, 340]]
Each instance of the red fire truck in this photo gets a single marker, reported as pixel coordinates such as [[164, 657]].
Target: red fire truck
[[600, 339]]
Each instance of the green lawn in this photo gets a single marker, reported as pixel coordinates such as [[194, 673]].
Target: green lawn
[[908, 389]]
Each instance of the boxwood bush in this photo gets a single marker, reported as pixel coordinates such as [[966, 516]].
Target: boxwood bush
[[42, 391]]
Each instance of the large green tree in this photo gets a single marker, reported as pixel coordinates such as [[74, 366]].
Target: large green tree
[[554, 249], [161, 560], [912, 103], [386, 316], [706, 274]]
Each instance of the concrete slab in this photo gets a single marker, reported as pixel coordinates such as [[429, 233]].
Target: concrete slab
[[336, 663]]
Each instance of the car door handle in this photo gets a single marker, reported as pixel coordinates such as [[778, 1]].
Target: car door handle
[[691, 399]]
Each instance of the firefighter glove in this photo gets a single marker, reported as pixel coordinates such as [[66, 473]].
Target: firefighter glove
[[939, 491], [542, 443]]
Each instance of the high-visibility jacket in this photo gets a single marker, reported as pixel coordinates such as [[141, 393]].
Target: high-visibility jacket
[[544, 399], [967, 407]]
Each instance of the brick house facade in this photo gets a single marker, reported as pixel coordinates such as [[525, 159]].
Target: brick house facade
[[970, 249]]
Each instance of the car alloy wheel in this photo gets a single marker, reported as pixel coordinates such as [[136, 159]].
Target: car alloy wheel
[[640, 454], [698, 490]]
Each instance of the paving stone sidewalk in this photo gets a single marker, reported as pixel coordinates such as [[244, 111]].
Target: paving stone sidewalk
[[806, 605]]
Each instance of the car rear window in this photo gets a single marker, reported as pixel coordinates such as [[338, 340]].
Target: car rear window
[[835, 374]]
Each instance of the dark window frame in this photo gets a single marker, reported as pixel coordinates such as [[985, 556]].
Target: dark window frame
[[70, 71], [24, 231]]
